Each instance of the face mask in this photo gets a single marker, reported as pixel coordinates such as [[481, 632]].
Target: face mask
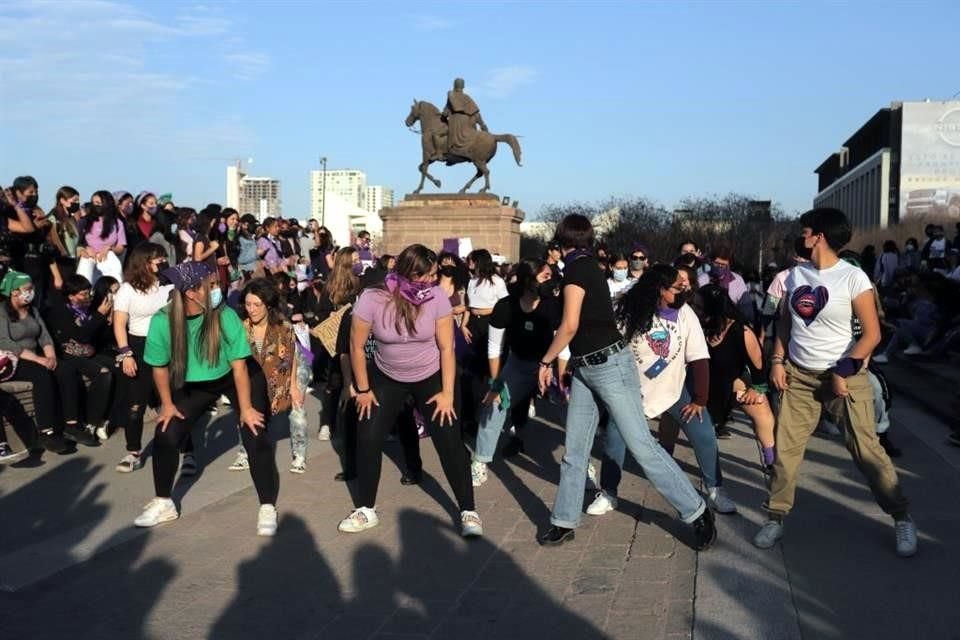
[[448, 271], [74, 207], [27, 296], [680, 299], [152, 210], [547, 290], [127, 208], [216, 297], [222, 227], [911, 247], [803, 251], [637, 265], [173, 228], [719, 270], [163, 266], [619, 275], [414, 292], [31, 202]]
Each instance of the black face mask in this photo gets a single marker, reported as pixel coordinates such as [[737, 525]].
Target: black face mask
[[74, 207], [680, 299], [447, 271], [802, 250], [163, 266], [547, 290], [31, 202]]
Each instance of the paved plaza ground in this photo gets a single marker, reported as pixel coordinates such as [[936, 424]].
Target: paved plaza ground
[[73, 566]]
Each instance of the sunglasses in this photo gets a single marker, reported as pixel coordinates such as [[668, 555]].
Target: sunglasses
[[638, 257]]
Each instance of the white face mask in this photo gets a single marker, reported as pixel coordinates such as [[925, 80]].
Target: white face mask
[[619, 275], [27, 296]]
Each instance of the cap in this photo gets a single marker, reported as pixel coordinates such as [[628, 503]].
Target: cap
[[187, 275], [13, 280]]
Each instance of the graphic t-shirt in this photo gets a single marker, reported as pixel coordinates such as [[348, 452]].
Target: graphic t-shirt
[[820, 302], [676, 343], [233, 345]]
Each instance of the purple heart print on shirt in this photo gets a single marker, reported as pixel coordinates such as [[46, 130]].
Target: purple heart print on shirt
[[808, 302]]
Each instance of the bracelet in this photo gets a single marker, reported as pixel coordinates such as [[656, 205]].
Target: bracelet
[[358, 391], [124, 350], [545, 364]]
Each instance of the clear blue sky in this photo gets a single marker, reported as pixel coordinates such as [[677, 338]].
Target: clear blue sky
[[656, 99]]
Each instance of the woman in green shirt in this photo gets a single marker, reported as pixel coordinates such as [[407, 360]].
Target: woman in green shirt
[[198, 349]]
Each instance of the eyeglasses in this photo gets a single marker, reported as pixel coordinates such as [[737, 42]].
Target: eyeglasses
[[678, 288], [638, 257]]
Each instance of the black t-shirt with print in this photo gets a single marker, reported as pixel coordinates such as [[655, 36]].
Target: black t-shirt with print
[[528, 335], [598, 326]]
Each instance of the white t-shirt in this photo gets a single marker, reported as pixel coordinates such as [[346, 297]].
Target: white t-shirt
[[140, 306], [821, 306], [677, 343], [483, 295], [617, 289]]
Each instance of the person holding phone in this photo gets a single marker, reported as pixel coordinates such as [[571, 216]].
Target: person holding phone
[[411, 320]]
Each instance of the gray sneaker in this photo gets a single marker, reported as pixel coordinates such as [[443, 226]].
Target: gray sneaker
[[906, 533], [769, 533]]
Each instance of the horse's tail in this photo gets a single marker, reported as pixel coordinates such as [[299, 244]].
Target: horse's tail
[[511, 140]]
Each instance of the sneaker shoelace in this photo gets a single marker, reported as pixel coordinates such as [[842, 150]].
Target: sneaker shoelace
[[471, 518], [904, 531]]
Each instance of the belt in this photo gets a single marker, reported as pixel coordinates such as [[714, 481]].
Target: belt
[[600, 356]]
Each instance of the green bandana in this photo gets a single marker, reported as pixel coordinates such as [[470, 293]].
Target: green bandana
[[12, 281]]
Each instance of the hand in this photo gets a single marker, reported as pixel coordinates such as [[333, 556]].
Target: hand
[[251, 419], [167, 413], [50, 362], [223, 261], [105, 306], [778, 376], [57, 283], [491, 397], [444, 410], [365, 403], [102, 255], [750, 397], [839, 384], [690, 410], [545, 377], [129, 367], [82, 252], [467, 335]]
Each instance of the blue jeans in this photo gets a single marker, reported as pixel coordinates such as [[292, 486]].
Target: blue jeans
[[699, 432], [616, 385], [520, 378]]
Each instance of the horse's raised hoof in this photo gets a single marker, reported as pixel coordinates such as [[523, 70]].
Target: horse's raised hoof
[[418, 190], [436, 183], [484, 190]]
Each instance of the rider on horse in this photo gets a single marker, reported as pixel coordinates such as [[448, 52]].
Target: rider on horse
[[462, 116]]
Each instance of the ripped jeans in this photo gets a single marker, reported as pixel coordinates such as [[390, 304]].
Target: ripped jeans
[[298, 415]]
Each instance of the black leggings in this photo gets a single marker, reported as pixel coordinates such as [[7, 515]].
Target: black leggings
[[372, 432], [133, 396], [195, 399], [76, 396], [45, 396]]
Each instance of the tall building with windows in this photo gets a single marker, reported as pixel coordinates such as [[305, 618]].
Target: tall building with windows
[[259, 196], [350, 185], [904, 161], [344, 202]]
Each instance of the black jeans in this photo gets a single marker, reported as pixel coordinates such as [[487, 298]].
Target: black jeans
[[372, 432], [133, 396], [193, 400], [46, 400], [80, 401]]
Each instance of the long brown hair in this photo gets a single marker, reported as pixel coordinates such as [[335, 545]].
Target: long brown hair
[[138, 272], [342, 285], [208, 340], [413, 262]]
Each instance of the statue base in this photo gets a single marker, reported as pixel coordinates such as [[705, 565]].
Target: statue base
[[429, 219]]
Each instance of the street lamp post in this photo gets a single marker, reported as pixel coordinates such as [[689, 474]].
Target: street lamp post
[[323, 191]]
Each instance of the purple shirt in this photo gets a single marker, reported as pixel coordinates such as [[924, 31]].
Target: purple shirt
[[403, 357], [117, 237], [272, 257]]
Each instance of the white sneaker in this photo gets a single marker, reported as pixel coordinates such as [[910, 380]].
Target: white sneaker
[[130, 463], [532, 411], [157, 511], [478, 471], [906, 537], [470, 524], [324, 434], [592, 484], [299, 465], [769, 533], [719, 502], [224, 400], [881, 358], [267, 520], [102, 434], [188, 467], [603, 503], [241, 462], [360, 519], [913, 350]]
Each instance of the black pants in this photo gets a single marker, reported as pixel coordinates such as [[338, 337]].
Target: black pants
[[372, 432], [133, 396], [193, 401], [406, 429], [46, 399], [80, 401]]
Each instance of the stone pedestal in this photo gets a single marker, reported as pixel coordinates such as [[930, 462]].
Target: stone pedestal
[[428, 219]]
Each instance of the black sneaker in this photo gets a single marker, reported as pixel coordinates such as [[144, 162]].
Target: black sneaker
[[410, 478], [556, 536], [704, 531], [889, 447], [344, 477], [81, 435], [54, 442], [513, 447], [723, 433]]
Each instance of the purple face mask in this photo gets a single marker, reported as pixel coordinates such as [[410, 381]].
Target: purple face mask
[[222, 227], [416, 293]]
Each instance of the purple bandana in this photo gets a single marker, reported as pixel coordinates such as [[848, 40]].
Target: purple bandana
[[416, 293], [668, 313]]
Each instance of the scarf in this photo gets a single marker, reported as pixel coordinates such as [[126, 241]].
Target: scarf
[[416, 293]]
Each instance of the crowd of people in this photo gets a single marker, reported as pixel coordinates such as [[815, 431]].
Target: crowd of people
[[127, 302]]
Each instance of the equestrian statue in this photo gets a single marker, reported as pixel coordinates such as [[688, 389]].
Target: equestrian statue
[[457, 134]]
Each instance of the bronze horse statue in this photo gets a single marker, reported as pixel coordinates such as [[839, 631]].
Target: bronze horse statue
[[480, 152]]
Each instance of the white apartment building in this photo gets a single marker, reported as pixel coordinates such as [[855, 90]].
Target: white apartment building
[[256, 195], [349, 184]]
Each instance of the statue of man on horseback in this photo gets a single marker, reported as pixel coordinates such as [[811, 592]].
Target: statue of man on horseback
[[452, 136]]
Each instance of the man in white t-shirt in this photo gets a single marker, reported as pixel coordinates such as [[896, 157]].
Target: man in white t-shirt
[[818, 365]]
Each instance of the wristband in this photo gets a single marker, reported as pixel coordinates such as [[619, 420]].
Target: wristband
[[544, 365], [357, 391], [124, 350], [847, 367], [760, 388]]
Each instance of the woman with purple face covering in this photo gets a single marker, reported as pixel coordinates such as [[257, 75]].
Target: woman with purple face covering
[[411, 321]]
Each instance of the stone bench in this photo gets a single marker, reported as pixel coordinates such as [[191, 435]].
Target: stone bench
[[16, 413]]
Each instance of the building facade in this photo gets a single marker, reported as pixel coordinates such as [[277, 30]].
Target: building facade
[[258, 196], [904, 161]]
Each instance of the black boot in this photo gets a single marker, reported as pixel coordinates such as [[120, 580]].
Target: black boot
[[411, 477], [704, 531], [556, 536], [53, 441]]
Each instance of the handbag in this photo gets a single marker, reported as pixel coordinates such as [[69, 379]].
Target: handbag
[[326, 332], [8, 365]]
